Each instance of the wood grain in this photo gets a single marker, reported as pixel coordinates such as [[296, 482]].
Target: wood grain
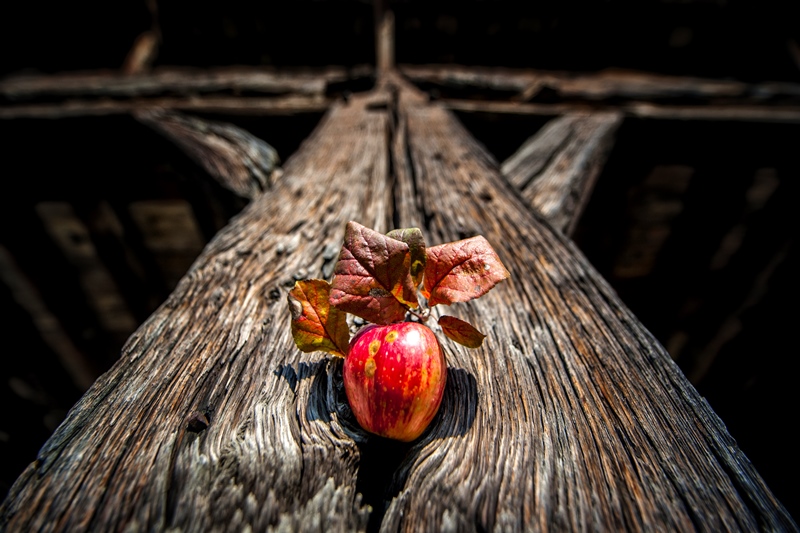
[[556, 169], [583, 421], [212, 419], [784, 114], [238, 160], [175, 80], [570, 417], [605, 84], [232, 105]]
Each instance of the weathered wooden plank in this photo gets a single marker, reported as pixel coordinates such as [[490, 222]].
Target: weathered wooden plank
[[277, 105], [103, 295], [238, 160], [654, 205], [142, 53], [592, 86], [611, 83], [581, 420], [556, 169], [212, 419], [174, 80], [384, 36], [78, 367], [571, 416], [169, 231], [733, 112]]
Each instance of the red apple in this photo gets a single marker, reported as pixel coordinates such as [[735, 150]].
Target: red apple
[[394, 377]]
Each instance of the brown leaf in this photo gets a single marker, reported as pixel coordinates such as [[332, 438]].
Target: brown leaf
[[416, 246], [372, 276], [460, 271], [461, 332], [316, 325]]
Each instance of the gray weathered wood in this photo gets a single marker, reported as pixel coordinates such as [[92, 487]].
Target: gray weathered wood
[[611, 83], [570, 417], [729, 112], [212, 419], [238, 160], [172, 80], [581, 420], [638, 94], [233, 105], [556, 169]]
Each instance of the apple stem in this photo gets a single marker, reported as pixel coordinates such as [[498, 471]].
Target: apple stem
[[422, 316]]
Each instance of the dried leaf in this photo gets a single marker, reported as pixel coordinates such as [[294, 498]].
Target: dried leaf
[[460, 271], [461, 332], [316, 325], [416, 246], [372, 277]]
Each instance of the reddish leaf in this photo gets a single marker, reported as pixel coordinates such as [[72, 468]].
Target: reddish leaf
[[416, 246], [315, 324], [460, 271], [461, 332], [372, 276]]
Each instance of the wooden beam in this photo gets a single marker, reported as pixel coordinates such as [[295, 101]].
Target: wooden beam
[[570, 415], [633, 93], [212, 416], [78, 367], [556, 169], [384, 36], [743, 113], [597, 86], [582, 418], [238, 160], [72, 237], [174, 80], [229, 105], [171, 233]]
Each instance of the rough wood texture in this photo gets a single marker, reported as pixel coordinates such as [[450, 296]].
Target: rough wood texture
[[212, 418], [733, 112], [571, 416], [175, 81], [556, 169], [582, 421], [611, 83], [637, 94], [238, 160], [276, 105]]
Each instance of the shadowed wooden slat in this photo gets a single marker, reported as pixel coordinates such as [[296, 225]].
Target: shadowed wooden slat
[[238, 160], [556, 169]]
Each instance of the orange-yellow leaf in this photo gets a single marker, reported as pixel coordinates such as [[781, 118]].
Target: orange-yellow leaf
[[372, 277], [460, 271], [461, 332], [316, 325]]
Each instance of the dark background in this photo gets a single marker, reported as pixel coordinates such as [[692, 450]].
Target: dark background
[[693, 223]]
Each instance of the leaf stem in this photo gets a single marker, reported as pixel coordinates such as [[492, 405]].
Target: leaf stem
[[423, 314]]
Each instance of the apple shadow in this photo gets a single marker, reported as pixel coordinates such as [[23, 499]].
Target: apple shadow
[[383, 463], [327, 398], [459, 407]]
